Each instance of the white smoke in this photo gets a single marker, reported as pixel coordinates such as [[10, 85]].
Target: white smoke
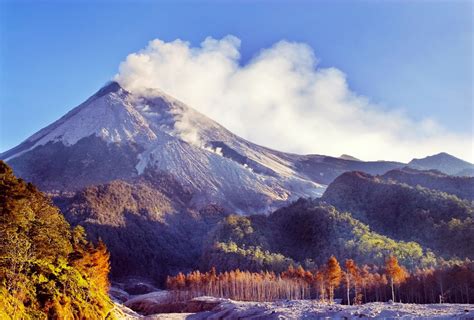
[[282, 99]]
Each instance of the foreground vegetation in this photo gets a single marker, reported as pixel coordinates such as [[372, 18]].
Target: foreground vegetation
[[357, 284], [47, 269]]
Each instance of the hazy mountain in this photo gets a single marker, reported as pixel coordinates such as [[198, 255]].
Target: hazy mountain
[[462, 187], [325, 169], [468, 172], [445, 163]]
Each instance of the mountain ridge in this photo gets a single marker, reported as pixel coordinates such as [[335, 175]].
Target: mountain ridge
[[115, 134], [437, 220], [461, 186], [445, 163], [138, 132]]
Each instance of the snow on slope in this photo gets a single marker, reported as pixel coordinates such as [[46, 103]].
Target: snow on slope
[[108, 114], [175, 138]]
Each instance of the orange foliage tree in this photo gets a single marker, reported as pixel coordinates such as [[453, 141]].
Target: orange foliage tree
[[396, 273], [455, 283], [352, 278], [334, 276]]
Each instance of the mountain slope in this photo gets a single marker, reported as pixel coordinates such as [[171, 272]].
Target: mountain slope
[[146, 223], [445, 163], [436, 220], [305, 232], [462, 187], [118, 135]]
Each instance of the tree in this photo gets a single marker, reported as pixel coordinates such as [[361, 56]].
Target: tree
[[395, 273], [351, 277], [334, 275], [320, 283], [47, 270], [94, 263]]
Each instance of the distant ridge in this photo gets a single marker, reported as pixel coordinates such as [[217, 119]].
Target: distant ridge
[[462, 187], [445, 163]]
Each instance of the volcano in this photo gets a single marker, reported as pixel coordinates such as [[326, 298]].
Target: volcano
[[116, 134]]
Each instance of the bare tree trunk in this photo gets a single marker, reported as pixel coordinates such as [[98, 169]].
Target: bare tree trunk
[[393, 291], [348, 291]]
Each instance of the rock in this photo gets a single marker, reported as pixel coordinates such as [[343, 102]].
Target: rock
[[137, 288], [118, 294], [202, 304], [153, 302], [161, 302], [123, 313]]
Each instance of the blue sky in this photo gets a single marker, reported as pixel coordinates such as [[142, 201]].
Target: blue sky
[[414, 55]]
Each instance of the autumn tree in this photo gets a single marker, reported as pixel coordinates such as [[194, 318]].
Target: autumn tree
[[395, 273], [94, 262], [320, 283], [333, 275], [47, 270], [368, 282], [351, 276]]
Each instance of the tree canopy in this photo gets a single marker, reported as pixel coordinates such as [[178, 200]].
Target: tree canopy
[[47, 269]]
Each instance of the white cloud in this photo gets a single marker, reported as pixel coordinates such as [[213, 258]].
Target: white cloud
[[282, 99]]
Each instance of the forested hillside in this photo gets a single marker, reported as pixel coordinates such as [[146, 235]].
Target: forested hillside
[[437, 220], [47, 269], [462, 187], [306, 232], [153, 214]]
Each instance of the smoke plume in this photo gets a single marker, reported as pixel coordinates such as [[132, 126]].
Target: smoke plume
[[282, 99]]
